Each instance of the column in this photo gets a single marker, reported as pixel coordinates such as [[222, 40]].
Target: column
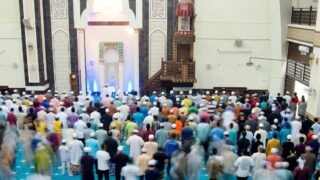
[[314, 87], [121, 76], [82, 59], [136, 59]]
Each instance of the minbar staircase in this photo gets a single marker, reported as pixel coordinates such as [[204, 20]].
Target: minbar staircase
[[153, 84]]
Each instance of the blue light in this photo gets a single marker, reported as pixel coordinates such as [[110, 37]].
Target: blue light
[[95, 86], [129, 86]]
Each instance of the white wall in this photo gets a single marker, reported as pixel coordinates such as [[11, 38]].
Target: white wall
[[304, 3], [218, 24], [11, 45]]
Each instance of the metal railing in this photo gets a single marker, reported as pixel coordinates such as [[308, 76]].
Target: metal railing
[[305, 16]]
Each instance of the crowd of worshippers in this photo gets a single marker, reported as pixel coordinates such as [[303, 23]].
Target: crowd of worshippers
[[172, 135]]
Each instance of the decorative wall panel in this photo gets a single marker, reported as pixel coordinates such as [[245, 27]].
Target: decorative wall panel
[[61, 61], [61, 45], [157, 34]]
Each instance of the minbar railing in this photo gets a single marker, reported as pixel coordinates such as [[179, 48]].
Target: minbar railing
[[305, 16], [178, 72]]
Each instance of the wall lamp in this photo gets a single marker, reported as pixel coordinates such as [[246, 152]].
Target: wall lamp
[[250, 63]]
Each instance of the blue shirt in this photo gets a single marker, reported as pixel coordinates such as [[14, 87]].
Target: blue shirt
[[202, 131], [270, 135], [161, 137], [283, 134], [144, 110], [216, 134], [94, 145], [138, 118], [3, 116], [233, 136], [186, 134], [171, 146]]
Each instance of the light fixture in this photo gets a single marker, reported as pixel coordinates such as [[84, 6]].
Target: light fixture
[[250, 63]]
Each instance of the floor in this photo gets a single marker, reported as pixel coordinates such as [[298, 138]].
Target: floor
[[23, 170]]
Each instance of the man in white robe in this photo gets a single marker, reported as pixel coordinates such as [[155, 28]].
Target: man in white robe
[[135, 144]]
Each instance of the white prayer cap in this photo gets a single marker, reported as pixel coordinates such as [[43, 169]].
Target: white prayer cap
[[49, 91], [120, 148], [162, 93], [15, 90], [287, 92], [173, 126], [147, 98], [297, 118], [63, 141], [182, 103], [149, 113], [274, 150], [203, 96], [273, 109], [191, 118], [136, 131], [117, 97], [223, 92], [276, 120], [261, 125], [118, 109], [190, 91], [36, 96], [124, 101], [287, 110], [144, 150], [87, 149], [314, 137], [71, 92], [152, 162], [261, 113], [233, 93], [84, 109], [74, 135], [207, 92], [221, 98], [178, 99], [137, 98], [246, 100], [216, 92], [247, 127], [257, 104], [31, 103], [273, 126], [260, 118], [154, 92], [80, 92], [226, 133], [181, 92], [115, 116], [171, 92], [151, 136], [144, 103], [56, 117], [284, 164], [92, 134], [107, 110], [308, 148], [289, 136], [154, 103], [61, 103], [278, 165], [100, 125]]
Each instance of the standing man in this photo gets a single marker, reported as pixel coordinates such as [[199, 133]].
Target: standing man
[[87, 163], [103, 158], [120, 160], [135, 144]]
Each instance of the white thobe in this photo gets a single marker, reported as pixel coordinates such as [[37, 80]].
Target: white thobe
[[296, 126], [263, 134], [76, 150], [124, 110], [63, 118], [135, 143]]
